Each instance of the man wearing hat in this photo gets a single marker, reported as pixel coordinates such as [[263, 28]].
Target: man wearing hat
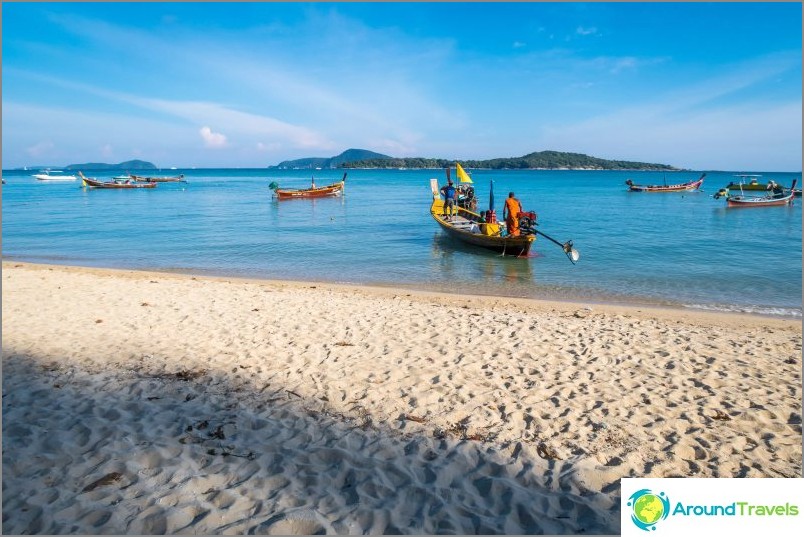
[[450, 194]]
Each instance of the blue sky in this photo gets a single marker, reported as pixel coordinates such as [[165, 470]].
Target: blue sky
[[694, 85]]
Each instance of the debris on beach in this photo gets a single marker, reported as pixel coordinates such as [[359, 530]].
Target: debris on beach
[[108, 479], [720, 415], [546, 452]]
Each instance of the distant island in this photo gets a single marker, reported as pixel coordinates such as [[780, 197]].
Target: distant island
[[100, 166], [340, 161], [540, 160]]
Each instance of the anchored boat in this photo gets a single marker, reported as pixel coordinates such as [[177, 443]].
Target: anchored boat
[[778, 196], [114, 183], [680, 187], [335, 189]]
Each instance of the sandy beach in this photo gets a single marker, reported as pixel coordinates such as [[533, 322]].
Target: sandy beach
[[145, 402]]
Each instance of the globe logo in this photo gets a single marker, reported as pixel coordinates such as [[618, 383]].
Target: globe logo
[[648, 508]]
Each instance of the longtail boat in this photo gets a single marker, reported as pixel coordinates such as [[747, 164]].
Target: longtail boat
[[749, 182], [680, 187], [335, 189], [115, 183], [143, 179], [470, 227], [778, 196]]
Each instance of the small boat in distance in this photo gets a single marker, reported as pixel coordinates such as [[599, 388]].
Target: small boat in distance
[[53, 175], [680, 187], [143, 179], [749, 182], [335, 189], [778, 196], [114, 183]]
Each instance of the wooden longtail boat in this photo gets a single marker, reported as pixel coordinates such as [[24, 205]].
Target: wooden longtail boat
[[749, 182], [94, 183], [681, 187], [335, 189], [779, 196], [467, 226], [142, 179]]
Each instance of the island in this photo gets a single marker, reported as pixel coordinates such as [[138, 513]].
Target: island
[[100, 166], [540, 160]]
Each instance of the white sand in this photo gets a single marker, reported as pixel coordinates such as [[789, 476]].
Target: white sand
[[139, 402]]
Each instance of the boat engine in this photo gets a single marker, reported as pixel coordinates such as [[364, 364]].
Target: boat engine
[[527, 222]]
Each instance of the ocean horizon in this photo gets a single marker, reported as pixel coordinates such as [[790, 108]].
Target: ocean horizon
[[675, 249]]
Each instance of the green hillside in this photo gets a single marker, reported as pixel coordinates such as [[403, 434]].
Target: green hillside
[[332, 162], [125, 166]]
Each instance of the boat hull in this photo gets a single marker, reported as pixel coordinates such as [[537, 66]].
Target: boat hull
[[747, 201], [92, 183], [335, 189], [46, 177], [682, 187], [754, 187], [142, 179]]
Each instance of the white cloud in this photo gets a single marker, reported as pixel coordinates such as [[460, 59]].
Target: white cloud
[[586, 31], [106, 150], [212, 139], [40, 149], [519, 44]]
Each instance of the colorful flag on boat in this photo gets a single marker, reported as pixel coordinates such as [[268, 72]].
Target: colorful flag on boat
[[462, 175]]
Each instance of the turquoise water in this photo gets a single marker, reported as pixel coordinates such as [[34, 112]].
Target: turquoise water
[[663, 249]]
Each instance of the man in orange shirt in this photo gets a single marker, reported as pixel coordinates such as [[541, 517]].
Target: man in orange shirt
[[511, 212]]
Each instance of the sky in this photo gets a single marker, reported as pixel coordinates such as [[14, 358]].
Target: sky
[[701, 86]]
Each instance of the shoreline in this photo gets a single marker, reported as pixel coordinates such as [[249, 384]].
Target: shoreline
[[155, 402], [635, 305]]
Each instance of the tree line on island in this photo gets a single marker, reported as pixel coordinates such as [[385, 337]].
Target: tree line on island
[[548, 160]]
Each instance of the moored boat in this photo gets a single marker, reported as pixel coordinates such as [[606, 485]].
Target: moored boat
[[749, 182], [143, 179], [470, 227], [680, 187], [777, 197], [114, 183], [335, 189], [53, 175]]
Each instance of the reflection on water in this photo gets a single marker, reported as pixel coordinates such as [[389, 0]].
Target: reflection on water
[[481, 269]]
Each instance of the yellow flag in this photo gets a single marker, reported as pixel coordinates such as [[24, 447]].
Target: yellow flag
[[462, 175]]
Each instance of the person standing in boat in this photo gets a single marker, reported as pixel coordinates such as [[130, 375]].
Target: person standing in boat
[[450, 194], [312, 182], [511, 212]]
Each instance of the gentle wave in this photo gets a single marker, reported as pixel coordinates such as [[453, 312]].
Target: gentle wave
[[754, 310]]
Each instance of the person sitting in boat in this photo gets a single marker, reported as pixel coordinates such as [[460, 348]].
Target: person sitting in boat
[[511, 212], [450, 195], [466, 197]]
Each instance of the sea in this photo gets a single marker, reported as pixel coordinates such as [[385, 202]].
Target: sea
[[684, 250]]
